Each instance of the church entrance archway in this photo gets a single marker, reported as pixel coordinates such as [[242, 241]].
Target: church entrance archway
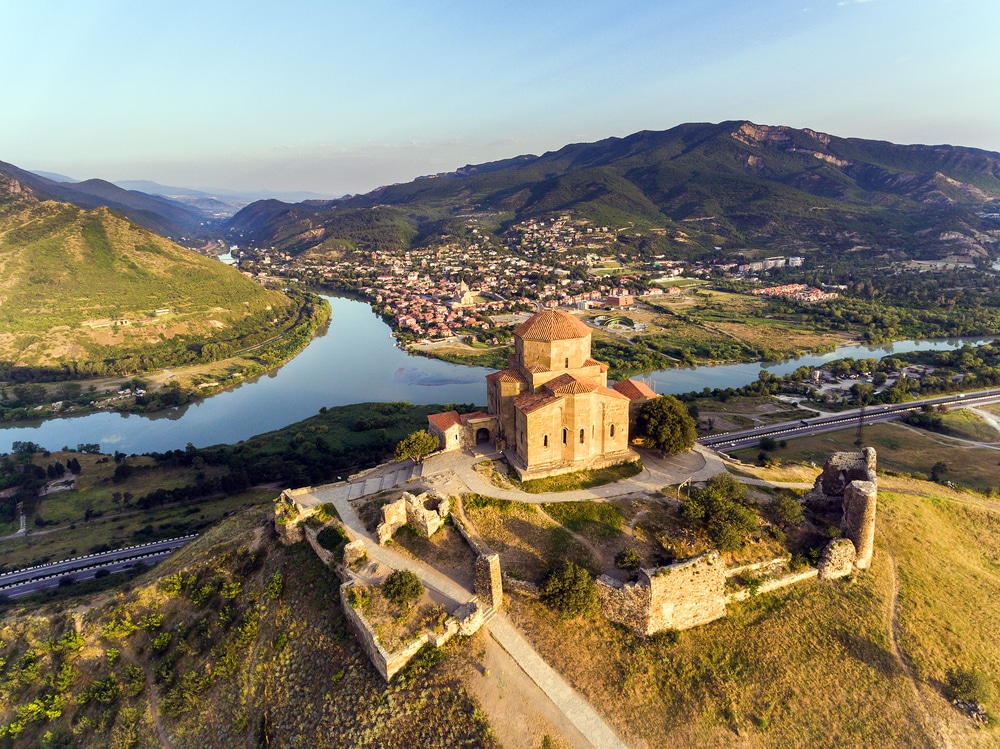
[[482, 435]]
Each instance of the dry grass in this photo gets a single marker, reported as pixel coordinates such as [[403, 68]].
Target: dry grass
[[900, 448], [966, 424], [812, 666]]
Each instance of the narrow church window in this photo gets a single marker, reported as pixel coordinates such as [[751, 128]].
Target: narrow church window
[[581, 436], [612, 430], [567, 362], [545, 441], [565, 435]]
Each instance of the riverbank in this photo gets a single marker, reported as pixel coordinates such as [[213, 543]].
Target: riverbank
[[150, 392]]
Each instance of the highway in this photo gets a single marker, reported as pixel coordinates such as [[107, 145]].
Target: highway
[[843, 420], [40, 577]]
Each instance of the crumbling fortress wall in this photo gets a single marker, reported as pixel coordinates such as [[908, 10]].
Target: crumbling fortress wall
[[849, 481], [678, 596], [425, 512], [693, 592]]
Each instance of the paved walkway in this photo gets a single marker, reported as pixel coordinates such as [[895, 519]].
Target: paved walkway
[[579, 712], [576, 709]]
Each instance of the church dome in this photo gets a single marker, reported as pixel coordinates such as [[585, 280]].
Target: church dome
[[551, 325]]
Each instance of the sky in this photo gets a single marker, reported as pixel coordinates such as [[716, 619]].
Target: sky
[[341, 97]]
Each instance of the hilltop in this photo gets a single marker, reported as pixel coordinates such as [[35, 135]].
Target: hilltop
[[88, 292], [683, 191]]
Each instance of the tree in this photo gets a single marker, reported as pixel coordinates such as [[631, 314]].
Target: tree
[[416, 446], [937, 469], [402, 587], [718, 508], [571, 590], [628, 559], [666, 425]]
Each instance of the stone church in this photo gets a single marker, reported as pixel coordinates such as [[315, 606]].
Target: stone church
[[551, 410]]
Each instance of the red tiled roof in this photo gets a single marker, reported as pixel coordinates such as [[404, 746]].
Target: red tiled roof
[[445, 421], [551, 325], [595, 363], [528, 402], [535, 369], [567, 384], [608, 391], [466, 418], [634, 390], [505, 375]]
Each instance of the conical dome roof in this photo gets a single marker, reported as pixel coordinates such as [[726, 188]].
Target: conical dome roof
[[551, 325]]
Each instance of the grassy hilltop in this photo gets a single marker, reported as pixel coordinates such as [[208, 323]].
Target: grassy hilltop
[[87, 292]]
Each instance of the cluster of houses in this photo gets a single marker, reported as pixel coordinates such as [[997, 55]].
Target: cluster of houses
[[798, 292]]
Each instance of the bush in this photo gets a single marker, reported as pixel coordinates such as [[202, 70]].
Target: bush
[[333, 539], [628, 559], [571, 590], [717, 507], [787, 510], [402, 587], [969, 685]]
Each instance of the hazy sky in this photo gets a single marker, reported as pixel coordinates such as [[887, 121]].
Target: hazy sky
[[339, 97]]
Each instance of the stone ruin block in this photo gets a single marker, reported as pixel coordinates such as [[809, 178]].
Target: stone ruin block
[[354, 552], [488, 580], [858, 522], [837, 559], [470, 618], [425, 513], [678, 596]]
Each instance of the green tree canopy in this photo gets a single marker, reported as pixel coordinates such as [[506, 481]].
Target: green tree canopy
[[666, 425], [402, 587], [571, 589], [416, 445]]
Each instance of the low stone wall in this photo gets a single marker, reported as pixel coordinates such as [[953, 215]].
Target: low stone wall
[[775, 583], [386, 663], [520, 586], [488, 578], [678, 596], [466, 621], [425, 512]]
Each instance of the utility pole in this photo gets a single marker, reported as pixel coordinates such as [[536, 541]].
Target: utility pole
[[861, 425]]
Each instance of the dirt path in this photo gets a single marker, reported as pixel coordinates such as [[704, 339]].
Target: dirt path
[[892, 618], [154, 709], [595, 552]]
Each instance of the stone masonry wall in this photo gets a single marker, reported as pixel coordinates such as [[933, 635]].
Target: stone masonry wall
[[423, 512], [688, 593], [678, 596], [625, 603], [858, 522], [487, 582]]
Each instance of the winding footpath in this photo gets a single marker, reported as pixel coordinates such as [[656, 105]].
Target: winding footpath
[[568, 701]]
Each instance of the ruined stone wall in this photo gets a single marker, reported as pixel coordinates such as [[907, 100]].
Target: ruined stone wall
[[858, 522], [425, 513], [487, 581], [386, 663], [678, 596], [625, 603], [688, 593]]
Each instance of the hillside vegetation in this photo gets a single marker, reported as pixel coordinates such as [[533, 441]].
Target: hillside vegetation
[[684, 191], [234, 641], [90, 293]]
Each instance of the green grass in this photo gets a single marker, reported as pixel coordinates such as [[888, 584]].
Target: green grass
[[600, 521], [961, 422], [583, 479]]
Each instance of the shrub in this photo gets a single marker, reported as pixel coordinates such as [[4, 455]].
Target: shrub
[[968, 685], [718, 508], [571, 590], [628, 559], [787, 510], [333, 539], [402, 587]]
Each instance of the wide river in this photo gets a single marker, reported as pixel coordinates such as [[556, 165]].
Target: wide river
[[354, 361]]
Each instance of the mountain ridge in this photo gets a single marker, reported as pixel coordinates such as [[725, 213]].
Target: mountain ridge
[[732, 184]]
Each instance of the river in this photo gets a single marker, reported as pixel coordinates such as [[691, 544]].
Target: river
[[354, 360]]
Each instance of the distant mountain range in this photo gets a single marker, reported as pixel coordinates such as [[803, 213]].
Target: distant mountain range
[[686, 191]]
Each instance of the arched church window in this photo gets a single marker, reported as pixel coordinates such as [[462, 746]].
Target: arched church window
[[565, 436], [567, 362], [612, 430], [545, 441], [581, 436]]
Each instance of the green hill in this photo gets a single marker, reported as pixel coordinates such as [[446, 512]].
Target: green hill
[[89, 292], [733, 184]]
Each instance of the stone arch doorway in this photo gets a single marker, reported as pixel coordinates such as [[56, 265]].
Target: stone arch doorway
[[482, 435]]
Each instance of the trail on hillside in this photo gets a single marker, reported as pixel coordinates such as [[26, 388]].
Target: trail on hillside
[[892, 619]]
